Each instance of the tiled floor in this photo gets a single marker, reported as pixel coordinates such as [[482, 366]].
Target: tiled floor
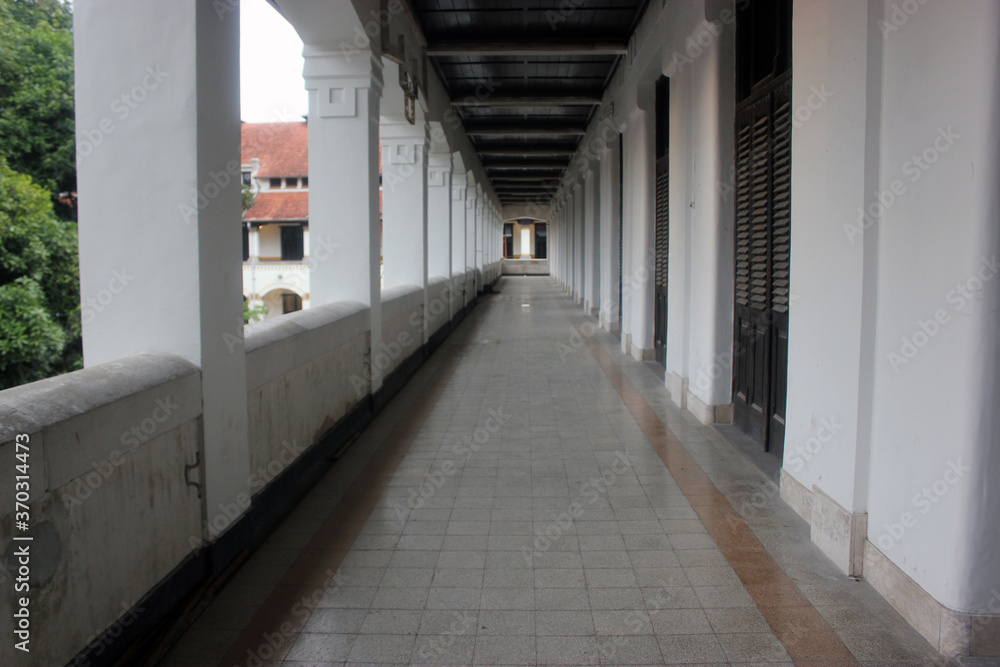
[[533, 497]]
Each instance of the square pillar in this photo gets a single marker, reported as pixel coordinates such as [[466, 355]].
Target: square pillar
[[471, 201], [439, 212], [345, 235], [458, 234], [404, 203], [579, 251], [637, 291], [608, 233], [160, 209], [591, 227], [480, 216]]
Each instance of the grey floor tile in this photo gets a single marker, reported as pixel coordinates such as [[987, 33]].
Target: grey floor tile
[[505, 650]]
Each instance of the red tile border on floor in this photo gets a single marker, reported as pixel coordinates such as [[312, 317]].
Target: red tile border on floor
[[804, 633]]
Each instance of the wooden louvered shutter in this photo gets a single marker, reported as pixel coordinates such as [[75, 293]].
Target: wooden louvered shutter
[[762, 230], [762, 256], [661, 230], [662, 220], [781, 237], [621, 226]]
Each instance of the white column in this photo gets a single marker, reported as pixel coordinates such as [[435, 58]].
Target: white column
[[404, 203], [591, 226], [344, 264], [638, 276], [458, 231], [439, 225], [471, 202], [480, 232], [160, 208], [570, 257], [609, 237], [578, 243]]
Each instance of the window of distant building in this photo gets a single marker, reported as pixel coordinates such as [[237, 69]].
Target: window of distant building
[[305, 181], [291, 243], [275, 183], [291, 182], [247, 178], [246, 243], [290, 303]]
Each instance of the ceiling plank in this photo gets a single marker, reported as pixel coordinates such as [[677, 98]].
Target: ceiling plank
[[515, 131], [526, 49], [526, 101], [525, 152]]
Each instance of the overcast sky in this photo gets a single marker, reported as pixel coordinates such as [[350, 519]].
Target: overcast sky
[[271, 87]]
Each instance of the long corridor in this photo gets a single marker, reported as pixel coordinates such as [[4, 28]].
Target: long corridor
[[533, 497]]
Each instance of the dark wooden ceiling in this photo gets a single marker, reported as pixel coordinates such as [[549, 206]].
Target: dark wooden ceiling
[[526, 77]]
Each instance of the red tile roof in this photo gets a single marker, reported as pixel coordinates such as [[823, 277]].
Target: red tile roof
[[282, 148], [273, 206]]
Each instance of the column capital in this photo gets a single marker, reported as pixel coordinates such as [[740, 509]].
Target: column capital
[[403, 143], [438, 175], [336, 78]]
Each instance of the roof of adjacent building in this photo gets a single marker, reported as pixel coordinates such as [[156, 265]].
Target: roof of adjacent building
[[282, 148], [279, 206]]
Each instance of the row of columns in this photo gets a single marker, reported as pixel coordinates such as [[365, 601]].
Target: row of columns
[[591, 218], [181, 250], [577, 242]]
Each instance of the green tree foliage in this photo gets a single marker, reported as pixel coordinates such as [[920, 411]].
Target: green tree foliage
[[39, 284], [36, 91], [255, 314]]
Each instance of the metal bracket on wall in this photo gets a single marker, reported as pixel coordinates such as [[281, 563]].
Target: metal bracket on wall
[[189, 468]]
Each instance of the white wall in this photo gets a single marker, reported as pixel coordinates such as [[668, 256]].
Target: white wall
[[835, 153], [939, 407]]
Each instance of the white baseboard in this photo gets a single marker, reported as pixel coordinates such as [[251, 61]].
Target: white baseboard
[[708, 414], [952, 633]]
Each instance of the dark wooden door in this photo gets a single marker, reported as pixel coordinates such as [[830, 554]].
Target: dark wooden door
[[763, 234], [762, 221], [661, 236], [621, 227]]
